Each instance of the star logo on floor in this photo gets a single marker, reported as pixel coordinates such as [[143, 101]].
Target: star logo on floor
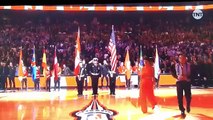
[[94, 111]]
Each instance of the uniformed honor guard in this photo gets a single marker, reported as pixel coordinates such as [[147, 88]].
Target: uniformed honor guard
[[105, 73], [112, 75], [95, 74], [80, 79], [86, 73]]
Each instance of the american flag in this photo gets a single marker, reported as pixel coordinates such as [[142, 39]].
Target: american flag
[[112, 49]]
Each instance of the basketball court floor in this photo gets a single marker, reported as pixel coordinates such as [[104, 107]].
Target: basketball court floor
[[66, 105]]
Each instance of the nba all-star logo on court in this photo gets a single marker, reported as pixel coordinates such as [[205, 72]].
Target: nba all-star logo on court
[[94, 111]]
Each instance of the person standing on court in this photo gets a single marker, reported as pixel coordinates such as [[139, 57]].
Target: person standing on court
[[48, 80], [57, 78], [147, 86], [80, 79], [37, 81], [112, 76], [95, 72], [24, 79], [11, 76], [183, 83], [104, 73], [85, 66], [4, 70]]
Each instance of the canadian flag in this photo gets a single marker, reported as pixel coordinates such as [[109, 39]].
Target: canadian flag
[[77, 54], [55, 66]]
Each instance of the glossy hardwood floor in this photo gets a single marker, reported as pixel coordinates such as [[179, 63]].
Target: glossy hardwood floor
[[62, 105]]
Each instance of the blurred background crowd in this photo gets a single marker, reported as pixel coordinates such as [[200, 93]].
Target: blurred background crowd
[[172, 33]]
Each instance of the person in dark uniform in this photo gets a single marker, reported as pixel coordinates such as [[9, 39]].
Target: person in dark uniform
[[105, 73], [11, 76], [194, 71], [112, 76], [208, 68], [95, 72], [85, 66], [4, 70], [80, 79], [183, 83], [200, 71]]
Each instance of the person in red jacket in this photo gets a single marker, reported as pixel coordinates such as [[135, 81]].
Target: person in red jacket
[[57, 80], [147, 86]]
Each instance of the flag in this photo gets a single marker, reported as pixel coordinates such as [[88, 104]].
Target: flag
[[127, 65], [33, 65], [77, 54], [20, 66], [44, 62], [156, 64], [141, 64], [112, 49], [55, 66]]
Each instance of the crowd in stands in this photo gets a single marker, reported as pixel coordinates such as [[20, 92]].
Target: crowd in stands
[[171, 32]]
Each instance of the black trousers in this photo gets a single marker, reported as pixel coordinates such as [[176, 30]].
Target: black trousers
[[12, 82], [128, 83], [95, 84], [48, 84], [80, 85], [3, 81], [24, 83], [186, 87], [112, 85], [86, 84], [57, 83], [102, 80]]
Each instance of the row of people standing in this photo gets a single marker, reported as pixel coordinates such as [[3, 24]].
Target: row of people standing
[[95, 70], [7, 72]]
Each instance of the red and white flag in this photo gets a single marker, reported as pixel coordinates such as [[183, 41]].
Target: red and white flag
[[55, 66], [77, 54], [20, 66]]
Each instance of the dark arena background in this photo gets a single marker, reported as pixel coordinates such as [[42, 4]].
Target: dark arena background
[[35, 39]]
